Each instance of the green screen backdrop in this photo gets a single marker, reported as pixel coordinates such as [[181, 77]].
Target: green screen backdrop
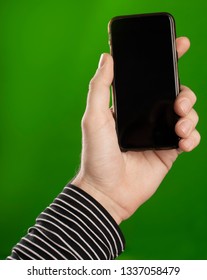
[[49, 50]]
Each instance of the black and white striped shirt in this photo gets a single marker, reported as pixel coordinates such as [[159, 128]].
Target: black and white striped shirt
[[74, 227]]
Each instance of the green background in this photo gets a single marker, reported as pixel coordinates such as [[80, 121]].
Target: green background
[[48, 52]]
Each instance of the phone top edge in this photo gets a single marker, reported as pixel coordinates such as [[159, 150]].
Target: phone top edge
[[170, 16]]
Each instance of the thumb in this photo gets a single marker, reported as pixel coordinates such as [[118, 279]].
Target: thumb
[[99, 87]]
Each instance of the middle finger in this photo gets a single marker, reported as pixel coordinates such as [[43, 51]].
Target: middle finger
[[187, 124]]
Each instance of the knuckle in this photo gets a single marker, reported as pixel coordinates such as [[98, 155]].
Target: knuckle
[[196, 116], [92, 82], [99, 80], [190, 94], [193, 116], [88, 120], [194, 97], [85, 121]]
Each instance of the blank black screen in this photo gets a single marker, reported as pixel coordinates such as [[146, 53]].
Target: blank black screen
[[144, 81]]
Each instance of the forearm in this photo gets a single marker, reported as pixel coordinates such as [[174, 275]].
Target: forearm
[[74, 226]]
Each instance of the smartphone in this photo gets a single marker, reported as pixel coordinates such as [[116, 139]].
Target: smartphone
[[145, 81]]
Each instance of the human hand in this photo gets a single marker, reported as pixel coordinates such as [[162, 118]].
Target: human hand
[[122, 181]]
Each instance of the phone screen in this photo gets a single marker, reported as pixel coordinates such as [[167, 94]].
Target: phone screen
[[145, 81]]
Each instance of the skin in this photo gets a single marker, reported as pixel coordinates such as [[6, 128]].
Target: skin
[[121, 182]]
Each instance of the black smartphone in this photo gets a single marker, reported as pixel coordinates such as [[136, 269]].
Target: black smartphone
[[145, 81]]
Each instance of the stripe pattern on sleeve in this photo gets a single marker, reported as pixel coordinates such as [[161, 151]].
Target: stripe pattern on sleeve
[[75, 226]]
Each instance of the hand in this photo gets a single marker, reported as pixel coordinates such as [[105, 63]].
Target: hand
[[121, 182]]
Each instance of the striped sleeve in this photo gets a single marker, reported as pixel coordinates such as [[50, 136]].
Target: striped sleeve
[[74, 227]]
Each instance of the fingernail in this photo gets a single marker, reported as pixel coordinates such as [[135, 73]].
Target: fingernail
[[189, 143], [185, 126], [102, 60], [185, 106]]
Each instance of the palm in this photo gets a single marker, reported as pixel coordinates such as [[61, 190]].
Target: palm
[[129, 178], [147, 168]]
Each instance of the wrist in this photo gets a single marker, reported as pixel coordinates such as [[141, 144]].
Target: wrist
[[111, 206]]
